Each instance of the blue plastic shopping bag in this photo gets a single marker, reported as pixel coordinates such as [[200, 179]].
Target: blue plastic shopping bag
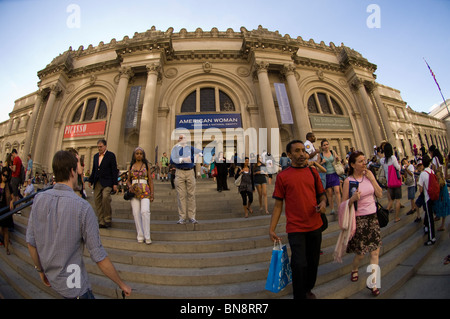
[[280, 273]]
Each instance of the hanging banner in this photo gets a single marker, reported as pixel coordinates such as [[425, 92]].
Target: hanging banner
[[283, 104], [133, 107], [221, 120], [86, 129]]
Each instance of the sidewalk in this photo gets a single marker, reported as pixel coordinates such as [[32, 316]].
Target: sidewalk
[[432, 280]]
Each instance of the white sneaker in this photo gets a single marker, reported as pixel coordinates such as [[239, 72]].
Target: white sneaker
[[193, 221], [148, 241], [181, 221]]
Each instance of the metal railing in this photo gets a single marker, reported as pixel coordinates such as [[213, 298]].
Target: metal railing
[[17, 205]]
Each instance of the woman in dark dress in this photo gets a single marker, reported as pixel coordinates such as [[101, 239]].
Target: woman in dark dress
[[247, 186], [222, 173], [6, 200]]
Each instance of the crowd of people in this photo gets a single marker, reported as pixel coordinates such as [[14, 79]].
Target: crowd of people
[[353, 191], [347, 187]]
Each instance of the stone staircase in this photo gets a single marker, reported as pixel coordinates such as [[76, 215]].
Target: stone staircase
[[224, 256]]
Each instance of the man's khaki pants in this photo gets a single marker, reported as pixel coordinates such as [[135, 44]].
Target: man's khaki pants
[[102, 197], [185, 186]]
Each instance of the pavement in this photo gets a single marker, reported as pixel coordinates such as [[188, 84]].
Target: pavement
[[432, 280]]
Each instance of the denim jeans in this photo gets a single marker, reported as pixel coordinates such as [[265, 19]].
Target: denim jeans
[[87, 295]]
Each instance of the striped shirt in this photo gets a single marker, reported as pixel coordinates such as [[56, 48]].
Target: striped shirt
[[61, 224]]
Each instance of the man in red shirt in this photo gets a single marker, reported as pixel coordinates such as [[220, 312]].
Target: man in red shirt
[[15, 175], [300, 186]]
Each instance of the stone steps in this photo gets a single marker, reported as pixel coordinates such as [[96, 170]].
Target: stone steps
[[224, 256]]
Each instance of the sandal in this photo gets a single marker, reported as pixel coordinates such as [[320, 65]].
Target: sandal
[[354, 276], [375, 291], [447, 260]]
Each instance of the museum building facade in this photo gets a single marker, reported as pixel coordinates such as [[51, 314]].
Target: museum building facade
[[138, 91]]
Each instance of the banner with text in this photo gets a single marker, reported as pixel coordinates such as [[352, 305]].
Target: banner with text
[[223, 120], [283, 103], [86, 129]]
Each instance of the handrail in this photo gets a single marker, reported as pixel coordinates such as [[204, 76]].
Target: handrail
[[28, 200]]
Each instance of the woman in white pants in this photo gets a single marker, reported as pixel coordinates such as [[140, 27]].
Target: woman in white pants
[[141, 184]]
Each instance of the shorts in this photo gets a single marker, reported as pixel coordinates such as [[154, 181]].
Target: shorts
[[259, 179], [15, 183], [333, 180], [164, 169], [411, 192], [395, 193]]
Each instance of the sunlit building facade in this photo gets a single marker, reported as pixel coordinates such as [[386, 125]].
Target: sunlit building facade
[[138, 90]]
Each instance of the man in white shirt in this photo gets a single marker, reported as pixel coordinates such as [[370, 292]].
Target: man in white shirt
[[428, 205], [29, 189], [309, 146]]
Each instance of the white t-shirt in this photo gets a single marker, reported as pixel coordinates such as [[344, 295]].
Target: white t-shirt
[[411, 169], [435, 162], [310, 149], [423, 181]]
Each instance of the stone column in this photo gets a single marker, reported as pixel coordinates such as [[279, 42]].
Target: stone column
[[373, 87], [147, 130], [32, 123], [115, 125], [270, 115], [341, 148], [45, 127], [373, 118], [300, 114], [163, 132]]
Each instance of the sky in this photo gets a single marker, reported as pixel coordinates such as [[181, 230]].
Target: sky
[[396, 35]]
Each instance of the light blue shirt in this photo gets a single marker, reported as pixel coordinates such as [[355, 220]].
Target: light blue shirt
[[61, 223]]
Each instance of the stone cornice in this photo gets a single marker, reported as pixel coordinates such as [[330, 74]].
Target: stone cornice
[[318, 64], [94, 68], [206, 54], [257, 40], [350, 58], [61, 64]]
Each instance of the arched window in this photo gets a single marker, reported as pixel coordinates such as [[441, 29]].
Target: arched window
[[91, 109], [209, 100], [323, 103], [337, 109], [189, 103], [312, 106]]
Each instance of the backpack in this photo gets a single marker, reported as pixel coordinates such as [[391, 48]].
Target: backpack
[[433, 187]]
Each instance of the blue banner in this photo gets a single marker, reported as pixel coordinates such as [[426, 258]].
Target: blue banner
[[220, 121]]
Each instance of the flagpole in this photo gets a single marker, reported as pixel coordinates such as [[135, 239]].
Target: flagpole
[[434, 77]]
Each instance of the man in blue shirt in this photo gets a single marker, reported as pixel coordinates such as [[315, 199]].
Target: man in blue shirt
[[182, 156]]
